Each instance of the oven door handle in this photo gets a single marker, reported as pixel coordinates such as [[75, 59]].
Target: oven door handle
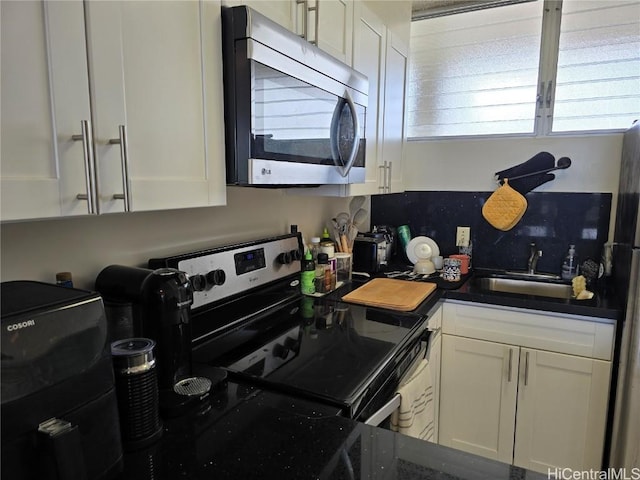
[[334, 135], [386, 410]]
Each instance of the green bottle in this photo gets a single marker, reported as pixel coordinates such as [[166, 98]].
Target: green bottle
[[307, 275]]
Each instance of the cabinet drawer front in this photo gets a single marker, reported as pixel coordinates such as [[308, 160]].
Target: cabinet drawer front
[[562, 411], [478, 387], [573, 335]]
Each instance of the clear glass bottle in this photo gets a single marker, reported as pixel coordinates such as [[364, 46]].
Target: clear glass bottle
[[570, 264], [315, 248]]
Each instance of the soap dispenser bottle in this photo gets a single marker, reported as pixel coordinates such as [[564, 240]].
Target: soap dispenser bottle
[[570, 265]]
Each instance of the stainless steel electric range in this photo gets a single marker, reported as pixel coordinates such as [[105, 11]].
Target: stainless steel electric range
[[249, 317]]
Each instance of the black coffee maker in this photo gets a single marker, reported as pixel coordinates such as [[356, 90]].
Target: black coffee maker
[[161, 309]]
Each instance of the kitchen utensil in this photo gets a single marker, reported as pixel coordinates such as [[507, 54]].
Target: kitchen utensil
[[424, 267], [451, 269], [359, 217], [422, 248], [355, 223], [563, 163], [464, 262], [540, 161], [343, 221], [390, 293], [355, 205]]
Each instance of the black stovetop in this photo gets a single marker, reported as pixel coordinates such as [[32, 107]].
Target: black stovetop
[[316, 347]]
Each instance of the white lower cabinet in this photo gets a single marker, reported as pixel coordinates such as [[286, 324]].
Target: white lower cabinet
[[562, 411], [477, 400], [530, 407]]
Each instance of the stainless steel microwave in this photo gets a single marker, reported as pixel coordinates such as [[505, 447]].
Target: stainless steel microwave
[[294, 115]]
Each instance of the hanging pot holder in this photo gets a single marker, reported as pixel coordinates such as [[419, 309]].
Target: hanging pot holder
[[504, 208]]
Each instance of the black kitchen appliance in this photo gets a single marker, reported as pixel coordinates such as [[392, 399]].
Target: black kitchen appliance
[[259, 328], [137, 390], [59, 413], [161, 300], [294, 115]]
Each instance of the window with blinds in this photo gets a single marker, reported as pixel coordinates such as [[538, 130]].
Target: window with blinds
[[598, 73], [483, 73]]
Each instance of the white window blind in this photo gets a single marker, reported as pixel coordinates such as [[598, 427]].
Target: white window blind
[[482, 73], [598, 77]]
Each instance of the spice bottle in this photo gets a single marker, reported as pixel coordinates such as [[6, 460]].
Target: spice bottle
[[64, 279], [321, 273], [327, 245], [307, 275]]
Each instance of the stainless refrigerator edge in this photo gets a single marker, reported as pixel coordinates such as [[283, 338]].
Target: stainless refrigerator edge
[[625, 440]]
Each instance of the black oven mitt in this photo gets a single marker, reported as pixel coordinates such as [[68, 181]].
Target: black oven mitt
[[540, 161]]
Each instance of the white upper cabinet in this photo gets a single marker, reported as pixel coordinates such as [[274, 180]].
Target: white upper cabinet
[[327, 24], [393, 126], [283, 12], [335, 28], [380, 54], [153, 127], [45, 98], [156, 84], [369, 45]]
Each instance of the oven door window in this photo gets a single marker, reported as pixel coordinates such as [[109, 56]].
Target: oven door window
[[294, 121]]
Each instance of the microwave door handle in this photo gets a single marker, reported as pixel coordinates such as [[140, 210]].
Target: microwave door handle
[[335, 128]]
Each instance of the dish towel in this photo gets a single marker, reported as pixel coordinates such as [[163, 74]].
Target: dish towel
[[415, 416]]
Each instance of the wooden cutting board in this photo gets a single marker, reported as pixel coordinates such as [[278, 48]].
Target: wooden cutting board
[[390, 293]]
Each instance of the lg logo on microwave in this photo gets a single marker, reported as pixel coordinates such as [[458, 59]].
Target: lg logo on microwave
[[17, 326], [266, 171]]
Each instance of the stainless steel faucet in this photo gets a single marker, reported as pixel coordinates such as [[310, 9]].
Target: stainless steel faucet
[[533, 259]]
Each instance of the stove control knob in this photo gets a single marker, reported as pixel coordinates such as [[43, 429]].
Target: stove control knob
[[198, 282], [295, 255], [284, 258], [216, 277], [280, 351]]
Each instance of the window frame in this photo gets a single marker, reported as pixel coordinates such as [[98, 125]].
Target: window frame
[[547, 76]]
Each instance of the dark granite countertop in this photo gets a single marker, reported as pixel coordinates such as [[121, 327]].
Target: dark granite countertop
[[604, 304], [248, 433], [251, 433]]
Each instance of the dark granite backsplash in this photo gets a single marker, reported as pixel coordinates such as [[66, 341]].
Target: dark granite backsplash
[[552, 220]]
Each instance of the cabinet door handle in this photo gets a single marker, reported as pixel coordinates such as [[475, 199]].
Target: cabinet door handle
[[382, 185], [510, 365], [89, 166], [526, 368], [305, 31], [124, 160], [549, 91], [316, 22], [389, 178]]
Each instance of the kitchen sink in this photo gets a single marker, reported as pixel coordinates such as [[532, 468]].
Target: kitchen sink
[[525, 287]]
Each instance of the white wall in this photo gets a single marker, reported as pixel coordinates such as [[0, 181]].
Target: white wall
[[84, 245], [469, 165]]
